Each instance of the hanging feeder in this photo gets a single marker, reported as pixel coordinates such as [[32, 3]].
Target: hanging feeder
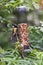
[[22, 30]]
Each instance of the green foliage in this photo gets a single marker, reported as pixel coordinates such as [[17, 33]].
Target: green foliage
[[36, 37], [11, 57], [29, 4], [6, 11]]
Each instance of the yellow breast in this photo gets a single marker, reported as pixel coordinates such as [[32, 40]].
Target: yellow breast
[[15, 29]]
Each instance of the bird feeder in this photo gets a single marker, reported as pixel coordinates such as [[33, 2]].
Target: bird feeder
[[22, 29], [23, 35]]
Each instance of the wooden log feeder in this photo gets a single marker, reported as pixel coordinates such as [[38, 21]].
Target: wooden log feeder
[[23, 38]]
